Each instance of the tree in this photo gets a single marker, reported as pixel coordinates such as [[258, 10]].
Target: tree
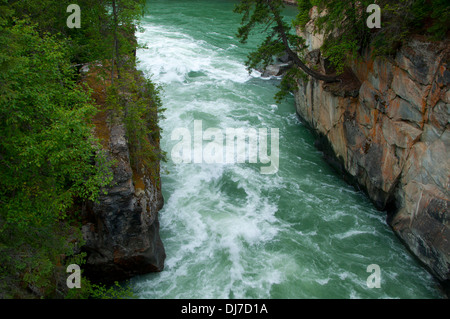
[[279, 40], [50, 161], [125, 15], [343, 25], [48, 155]]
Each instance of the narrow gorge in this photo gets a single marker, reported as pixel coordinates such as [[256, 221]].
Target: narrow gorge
[[231, 232], [391, 138], [225, 149]]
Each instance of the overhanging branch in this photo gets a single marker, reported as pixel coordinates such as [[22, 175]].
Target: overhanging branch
[[292, 54]]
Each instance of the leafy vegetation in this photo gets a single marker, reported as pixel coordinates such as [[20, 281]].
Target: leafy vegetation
[[50, 160], [343, 24]]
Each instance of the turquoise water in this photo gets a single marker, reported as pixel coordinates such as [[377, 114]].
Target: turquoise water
[[231, 231]]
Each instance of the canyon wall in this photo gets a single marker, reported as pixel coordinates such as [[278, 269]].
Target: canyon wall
[[390, 138], [121, 229]]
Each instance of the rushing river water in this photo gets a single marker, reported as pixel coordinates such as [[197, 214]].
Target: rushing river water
[[230, 231]]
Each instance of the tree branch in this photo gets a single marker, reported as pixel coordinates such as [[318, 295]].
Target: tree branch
[[292, 54]]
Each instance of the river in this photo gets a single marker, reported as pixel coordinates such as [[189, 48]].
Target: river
[[229, 230]]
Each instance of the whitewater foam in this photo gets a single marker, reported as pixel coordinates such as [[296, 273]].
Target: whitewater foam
[[229, 231]]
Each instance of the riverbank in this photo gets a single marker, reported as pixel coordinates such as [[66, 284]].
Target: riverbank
[[230, 231], [391, 140]]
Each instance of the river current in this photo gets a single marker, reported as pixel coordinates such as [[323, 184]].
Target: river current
[[229, 230]]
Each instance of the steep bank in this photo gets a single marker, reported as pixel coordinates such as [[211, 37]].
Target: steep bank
[[391, 139], [51, 161], [121, 230], [230, 231]]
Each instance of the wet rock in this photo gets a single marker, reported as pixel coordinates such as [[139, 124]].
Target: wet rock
[[121, 230], [392, 140], [276, 69], [284, 58]]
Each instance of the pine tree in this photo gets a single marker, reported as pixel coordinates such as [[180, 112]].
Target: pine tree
[[343, 25], [279, 40]]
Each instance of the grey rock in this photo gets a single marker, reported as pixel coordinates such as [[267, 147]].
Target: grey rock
[[276, 70], [392, 141], [121, 230]]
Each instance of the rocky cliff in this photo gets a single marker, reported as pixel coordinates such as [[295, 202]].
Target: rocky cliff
[[121, 229], [391, 138]]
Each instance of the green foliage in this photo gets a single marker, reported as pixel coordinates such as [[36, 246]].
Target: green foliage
[[406, 17], [89, 290], [104, 34], [47, 147], [116, 291], [289, 83], [47, 153], [439, 13], [49, 159], [400, 19], [267, 14], [34, 260], [137, 101], [343, 24], [141, 121], [304, 6], [264, 54]]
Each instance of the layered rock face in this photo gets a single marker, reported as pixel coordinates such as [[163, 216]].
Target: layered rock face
[[122, 230], [392, 140]]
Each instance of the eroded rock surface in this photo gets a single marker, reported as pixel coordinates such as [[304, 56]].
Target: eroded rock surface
[[392, 140], [122, 230]]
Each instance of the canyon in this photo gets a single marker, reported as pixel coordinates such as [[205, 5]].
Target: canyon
[[387, 132]]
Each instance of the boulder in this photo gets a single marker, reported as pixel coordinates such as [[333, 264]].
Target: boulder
[[277, 69]]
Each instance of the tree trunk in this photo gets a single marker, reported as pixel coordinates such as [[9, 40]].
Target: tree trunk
[[116, 56], [293, 55]]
